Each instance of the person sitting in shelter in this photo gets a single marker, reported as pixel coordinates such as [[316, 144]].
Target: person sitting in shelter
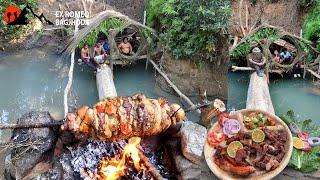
[[257, 61], [106, 46], [125, 47], [276, 56], [85, 56], [134, 43], [285, 55], [100, 56]]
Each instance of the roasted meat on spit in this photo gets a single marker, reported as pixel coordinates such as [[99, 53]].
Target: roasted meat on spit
[[124, 117]]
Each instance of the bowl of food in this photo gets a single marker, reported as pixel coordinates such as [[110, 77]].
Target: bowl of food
[[248, 144]]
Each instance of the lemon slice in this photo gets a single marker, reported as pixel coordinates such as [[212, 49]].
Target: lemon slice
[[233, 147], [258, 135], [297, 143]]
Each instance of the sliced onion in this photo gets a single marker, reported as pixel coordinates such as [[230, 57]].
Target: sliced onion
[[314, 141], [231, 126], [294, 128]]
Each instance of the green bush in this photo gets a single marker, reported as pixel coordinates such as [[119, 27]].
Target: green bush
[[189, 27], [244, 48], [104, 27], [311, 27]]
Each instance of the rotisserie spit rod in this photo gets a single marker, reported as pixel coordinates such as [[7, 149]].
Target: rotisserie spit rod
[[124, 117]]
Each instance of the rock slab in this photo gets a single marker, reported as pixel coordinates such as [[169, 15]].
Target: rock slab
[[193, 138]]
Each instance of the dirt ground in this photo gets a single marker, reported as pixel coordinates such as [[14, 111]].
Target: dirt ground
[[282, 13]]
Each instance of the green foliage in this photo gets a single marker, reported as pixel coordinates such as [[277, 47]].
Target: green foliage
[[244, 48], [14, 30], [304, 161], [311, 27], [189, 27], [104, 27]]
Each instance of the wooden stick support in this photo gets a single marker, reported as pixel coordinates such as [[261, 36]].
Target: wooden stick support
[[314, 73], [174, 87], [36, 125], [155, 173]]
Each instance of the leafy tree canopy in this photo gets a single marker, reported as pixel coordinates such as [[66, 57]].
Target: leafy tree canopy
[[189, 27], [311, 27]]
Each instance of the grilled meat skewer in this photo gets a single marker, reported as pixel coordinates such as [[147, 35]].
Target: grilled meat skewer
[[124, 117]]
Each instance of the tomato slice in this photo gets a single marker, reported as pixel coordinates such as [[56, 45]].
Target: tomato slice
[[214, 138], [306, 147], [252, 115], [303, 135], [222, 118]]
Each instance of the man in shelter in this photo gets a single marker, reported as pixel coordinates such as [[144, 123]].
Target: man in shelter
[[257, 61], [285, 56], [100, 56], [85, 56], [106, 46], [125, 47]]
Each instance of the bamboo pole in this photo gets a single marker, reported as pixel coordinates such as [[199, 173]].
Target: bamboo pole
[[174, 87]]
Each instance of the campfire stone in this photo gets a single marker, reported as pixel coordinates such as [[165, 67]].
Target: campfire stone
[[186, 169], [193, 137], [25, 162]]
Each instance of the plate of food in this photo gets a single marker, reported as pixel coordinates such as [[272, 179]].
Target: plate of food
[[248, 144]]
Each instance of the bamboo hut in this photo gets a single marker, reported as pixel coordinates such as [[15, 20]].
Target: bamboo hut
[[291, 42], [114, 36]]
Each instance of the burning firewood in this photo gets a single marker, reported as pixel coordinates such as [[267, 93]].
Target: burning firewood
[[124, 117]]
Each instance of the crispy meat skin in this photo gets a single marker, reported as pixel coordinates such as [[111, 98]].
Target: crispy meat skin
[[226, 165], [123, 117]]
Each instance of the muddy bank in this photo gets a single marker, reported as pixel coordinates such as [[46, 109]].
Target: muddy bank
[[282, 13], [192, 79]]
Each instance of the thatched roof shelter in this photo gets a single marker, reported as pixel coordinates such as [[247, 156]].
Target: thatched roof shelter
[[96, 21], [285, 39]]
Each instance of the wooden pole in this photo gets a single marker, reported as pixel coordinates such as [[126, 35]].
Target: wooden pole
[[36, 125], [314, 73], [154, 171], [236, 68], [70, 75], [174, 87], [240, 19]]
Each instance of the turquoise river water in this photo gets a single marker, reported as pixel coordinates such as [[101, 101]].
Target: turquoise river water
[[35, 80], [294, 94]]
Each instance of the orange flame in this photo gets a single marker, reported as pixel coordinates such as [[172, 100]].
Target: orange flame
[[112, 169]]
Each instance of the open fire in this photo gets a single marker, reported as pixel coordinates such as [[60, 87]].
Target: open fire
[[119, 166], [110, 161]]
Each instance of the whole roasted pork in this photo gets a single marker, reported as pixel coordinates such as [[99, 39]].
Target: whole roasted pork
[[124, 117]]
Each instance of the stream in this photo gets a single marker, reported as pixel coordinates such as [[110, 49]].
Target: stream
[[35, 80], [291, 93]]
